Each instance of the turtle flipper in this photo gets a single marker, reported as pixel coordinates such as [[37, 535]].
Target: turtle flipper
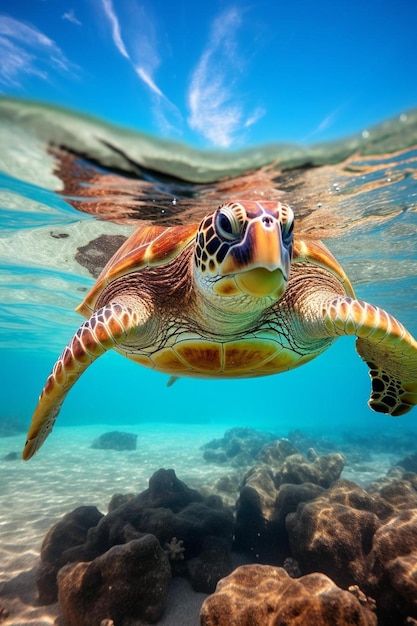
[[97, 335], [387, 347]]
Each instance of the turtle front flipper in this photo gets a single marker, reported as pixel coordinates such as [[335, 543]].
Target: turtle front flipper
[[97, 335], [387, 347]]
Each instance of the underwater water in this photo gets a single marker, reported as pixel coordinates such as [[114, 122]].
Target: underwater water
[[71, 190], [54, 204]]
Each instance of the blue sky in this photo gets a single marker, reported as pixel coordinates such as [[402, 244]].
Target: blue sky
[[216, 74]]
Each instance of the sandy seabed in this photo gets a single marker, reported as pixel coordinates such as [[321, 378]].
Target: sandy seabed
[[68, 473]]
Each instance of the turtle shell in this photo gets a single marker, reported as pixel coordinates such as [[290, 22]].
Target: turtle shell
[[147, 246]]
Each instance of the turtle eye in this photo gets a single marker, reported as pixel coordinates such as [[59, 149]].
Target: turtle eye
[[228, 224]]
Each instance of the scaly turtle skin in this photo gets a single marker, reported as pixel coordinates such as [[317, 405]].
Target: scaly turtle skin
[[235, 296]]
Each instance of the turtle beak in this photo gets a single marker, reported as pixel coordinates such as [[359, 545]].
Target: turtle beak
[[261, 261]]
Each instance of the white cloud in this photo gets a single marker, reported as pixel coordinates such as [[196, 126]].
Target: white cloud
[[141, 38], [25, 51], [329, 120], [139, 46], [115, 28], [216, 110], [70, 17], [143, 75], [10, 27], [255, 117], [326, 122], [15, 62]]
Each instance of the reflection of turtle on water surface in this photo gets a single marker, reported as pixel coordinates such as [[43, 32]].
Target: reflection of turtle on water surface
[[234, 296]]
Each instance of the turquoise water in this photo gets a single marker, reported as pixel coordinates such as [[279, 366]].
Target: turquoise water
[[72, 189], [66, 180]]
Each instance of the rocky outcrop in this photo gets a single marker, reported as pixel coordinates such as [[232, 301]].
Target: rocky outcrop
[[393, 570], [115, 440], [265, 500], [238, 446], [129, 582], [322, 470], [267, 596], [182, 520], [63, 544], [212, 564], [318, 535], [332, 537]]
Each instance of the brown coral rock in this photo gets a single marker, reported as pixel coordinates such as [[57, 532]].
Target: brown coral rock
[[261, 595], [335, 537], [4, 611], [402, 574], [275, 453], [260, 515], [349, 493], [393, 575], [129, 582], [398, 537], [64, 543], [323, 470], [398, 489], [401, 494]]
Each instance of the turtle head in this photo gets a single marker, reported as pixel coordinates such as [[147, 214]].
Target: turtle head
[[245, 248]]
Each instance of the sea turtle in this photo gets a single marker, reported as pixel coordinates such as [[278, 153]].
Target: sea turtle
[[234, 296]]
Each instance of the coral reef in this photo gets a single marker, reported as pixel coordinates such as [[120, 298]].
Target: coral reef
[[4, 612], [115, 440], [194, 527], [11, 456], [398, 488], [11, 426], [128, 582], [238, 446], [332, 537], [323, 470], [393, 567], [267, 497], [321, 549], [212, 564], [267, 596], [61, 546], [409, 463]]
